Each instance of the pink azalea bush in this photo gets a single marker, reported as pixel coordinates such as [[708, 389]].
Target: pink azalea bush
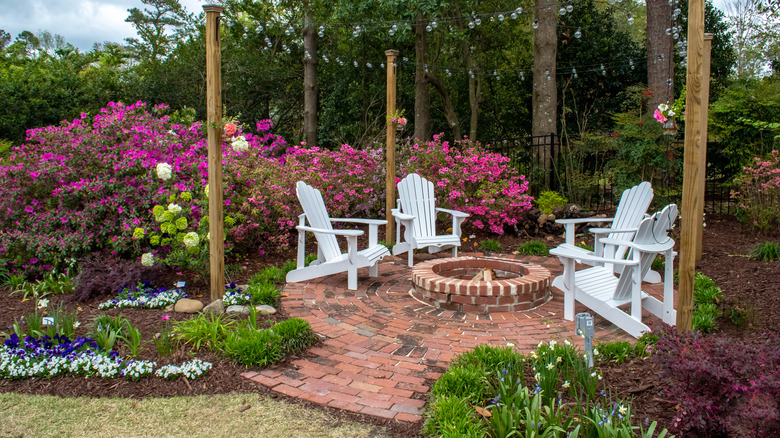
[[91, 185], [758, 193], [470, 179]]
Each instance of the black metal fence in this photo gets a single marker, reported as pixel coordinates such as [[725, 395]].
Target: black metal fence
[[528, 156]]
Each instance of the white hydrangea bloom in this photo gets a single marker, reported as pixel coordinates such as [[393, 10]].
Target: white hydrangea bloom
[[240, 144], [174, 208], [191, 239], [164, 171], [147, 259]]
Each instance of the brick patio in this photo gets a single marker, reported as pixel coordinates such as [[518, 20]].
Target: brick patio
[[382, 348]]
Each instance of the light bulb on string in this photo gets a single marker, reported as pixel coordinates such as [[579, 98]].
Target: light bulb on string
[[611, 2], [429, 28], [562, 11], [500, 17], [406, 59], [603, 70], [449, 73], [535, 24], [630, 19], [355, 63], [492, 18], [513, 15], [425, 68], [259, 28], [434, 24], [393, 28], [471, 24], [369, 65], [676, 36], [547, 72], [478, 21], [325, 58], [382, 65], [578, 33], [471, 73], [574, 72], [289, 30], [522, 76], [631, 64], [321, 31], [668, 31], [356, 32], [569, 8]]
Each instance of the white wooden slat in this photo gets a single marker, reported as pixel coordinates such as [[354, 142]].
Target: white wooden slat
[[317, 215]]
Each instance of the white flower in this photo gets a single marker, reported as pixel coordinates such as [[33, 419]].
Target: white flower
[[595, 352], [566, 384], [566, 342], [510, 344], [76, 325], [191, 239], [147, 259], [663, 107], [553, 343], [164, 171], [174, 208], [240, 144], [537, 377], [42, 304], [670, 113], [550, 366], [623, 410]]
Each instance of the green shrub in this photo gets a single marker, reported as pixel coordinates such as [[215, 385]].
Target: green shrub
[[767, 251], [5, 147], [117, 324], [253, 347], [705, 291], [296, 335], [617, 351], [289, 265], [452, 416], [271, 274], [494, 360], [470, 383], [490, 245], [535, 247], [264, 293], [309, 258], [165, 343], [205, 330], [738, 315], [549, 200], [705, 317]]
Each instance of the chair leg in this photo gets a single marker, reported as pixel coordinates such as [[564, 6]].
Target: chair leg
[[454, 251], [352, 278], [373, 270], [411, 257]]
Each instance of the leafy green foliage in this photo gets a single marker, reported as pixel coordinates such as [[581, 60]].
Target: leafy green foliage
[[490, 245], [548, 200], [295, 335], [253, 347], [469, 383], [270, 274], [534, 247], [264, 293], [165, 343], [494, 360], [767, 251], [452, 416], [205, 330]]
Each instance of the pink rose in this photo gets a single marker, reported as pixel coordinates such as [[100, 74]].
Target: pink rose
[[230, 128]]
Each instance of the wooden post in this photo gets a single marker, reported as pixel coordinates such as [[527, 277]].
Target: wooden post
[[705, 102], [390, 178], [691, 168], [214, 118]]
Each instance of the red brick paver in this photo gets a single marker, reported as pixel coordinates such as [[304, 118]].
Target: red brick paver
[[382, 348]]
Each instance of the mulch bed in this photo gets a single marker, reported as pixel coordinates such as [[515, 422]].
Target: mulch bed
[[744, 281]]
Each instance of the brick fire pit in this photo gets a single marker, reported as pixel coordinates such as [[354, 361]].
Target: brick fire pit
[[449, 284]]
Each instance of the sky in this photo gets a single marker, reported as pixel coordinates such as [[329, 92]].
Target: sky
[[85, 22], [81, 22]]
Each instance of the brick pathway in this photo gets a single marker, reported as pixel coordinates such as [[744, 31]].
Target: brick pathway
[[382, 348]]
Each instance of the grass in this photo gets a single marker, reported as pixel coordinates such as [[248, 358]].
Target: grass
[[767, 251], [47, 416], [535, 247], [490, 245]]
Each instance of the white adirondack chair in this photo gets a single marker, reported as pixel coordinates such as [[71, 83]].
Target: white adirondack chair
[[601, 290], [330, 259], [417, 213], [630, 211]]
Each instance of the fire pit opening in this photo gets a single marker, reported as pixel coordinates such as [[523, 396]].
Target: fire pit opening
[[485, 285]]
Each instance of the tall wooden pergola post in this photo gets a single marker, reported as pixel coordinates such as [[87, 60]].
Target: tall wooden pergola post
[[705, 99], [390, 178], [691, 204], [214, 119]]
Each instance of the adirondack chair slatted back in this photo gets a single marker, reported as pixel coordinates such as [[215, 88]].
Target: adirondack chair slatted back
[[317, 215], [654, 229], [416, 199], [630, 212]]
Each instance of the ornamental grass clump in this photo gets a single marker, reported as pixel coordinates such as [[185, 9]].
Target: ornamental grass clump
[[295, 335], [144, 296]]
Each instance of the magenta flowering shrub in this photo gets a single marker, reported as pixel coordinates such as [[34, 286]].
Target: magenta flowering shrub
[[758, 193], [470, 179], [91, 185]]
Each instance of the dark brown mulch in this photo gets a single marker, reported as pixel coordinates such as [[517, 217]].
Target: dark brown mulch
[[749, 283]]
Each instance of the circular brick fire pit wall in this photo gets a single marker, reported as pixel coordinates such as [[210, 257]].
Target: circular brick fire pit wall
[[447, 284]]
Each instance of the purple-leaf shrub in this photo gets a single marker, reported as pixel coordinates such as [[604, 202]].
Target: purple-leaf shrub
[[723, 386]]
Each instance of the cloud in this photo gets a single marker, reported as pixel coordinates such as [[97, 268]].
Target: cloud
[[81, 22]]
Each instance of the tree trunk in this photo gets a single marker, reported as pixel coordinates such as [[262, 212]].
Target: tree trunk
[[422, 94], [449, 109], [475, 91], [309, 79], [660, 68], [545, 96]]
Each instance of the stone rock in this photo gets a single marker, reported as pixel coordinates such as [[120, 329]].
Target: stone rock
[[237, 310], [266, 308], [542, 219], [169, 308], [186, 305], [216, 307]]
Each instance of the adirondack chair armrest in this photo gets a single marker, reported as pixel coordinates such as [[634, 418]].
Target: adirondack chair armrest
[[612, 230], [590, 257], [454, 213], [584, 220], [346, 233], [401, 216], [650, 247], [360, 221]]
